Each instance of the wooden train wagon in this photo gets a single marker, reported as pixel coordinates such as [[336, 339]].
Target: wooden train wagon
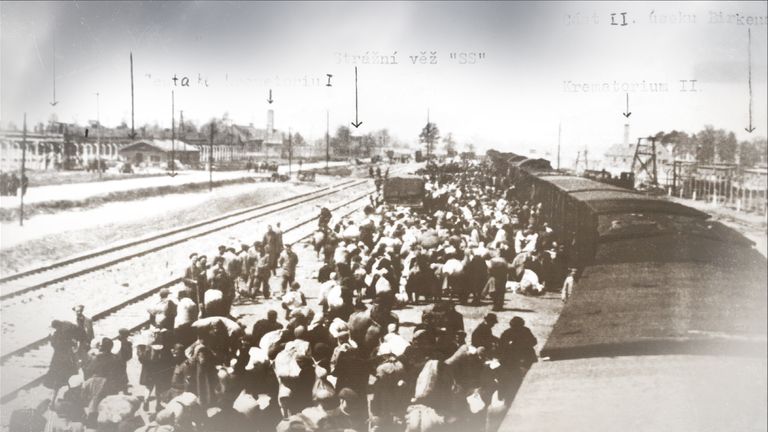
[[405, 191], [665, 331]]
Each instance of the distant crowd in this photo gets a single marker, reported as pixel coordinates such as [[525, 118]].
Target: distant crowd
[[11, 183]]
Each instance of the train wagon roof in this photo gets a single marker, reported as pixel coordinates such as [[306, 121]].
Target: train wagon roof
[[648, 393], [605, 198], [570, 183], [657, 307], [535, 164], [689, 240]]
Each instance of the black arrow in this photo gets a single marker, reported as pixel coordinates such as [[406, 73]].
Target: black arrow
[[627, 113], [270, 96], [54, 78], [749, 80], [356, 123]]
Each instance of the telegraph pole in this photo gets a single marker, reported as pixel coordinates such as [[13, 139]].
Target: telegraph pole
[[181, 125], [290, 152], [23, 162], [210, 157], [559, 133], [98, 137], [327, 139], [173, 135], [133, 131], [429, 139]]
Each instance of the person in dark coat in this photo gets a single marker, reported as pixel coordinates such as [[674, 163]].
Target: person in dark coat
[[517, 353], [499, 275], [156, 368], [271, 243], [125, 354], [199, 376], [201, 282], [517, 344], [483, 334], [301, 386], [264, 326], [108, 366], [63, 365], [190, 274], [476, 272]]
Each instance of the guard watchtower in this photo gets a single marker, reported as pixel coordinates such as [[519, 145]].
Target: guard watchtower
[[644, 160]]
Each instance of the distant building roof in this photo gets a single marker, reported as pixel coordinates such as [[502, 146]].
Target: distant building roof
[[620, 150], [163, 145]]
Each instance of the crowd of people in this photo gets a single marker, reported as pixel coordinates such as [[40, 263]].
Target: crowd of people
[[345, 364]]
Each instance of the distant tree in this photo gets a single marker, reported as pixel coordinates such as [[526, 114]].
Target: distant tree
[[298, 140], [450, 144], [341, 142], [752, 153], [680, 141], [429, 136], [706, 140], [368, 144], [727, 147], [470, 147]]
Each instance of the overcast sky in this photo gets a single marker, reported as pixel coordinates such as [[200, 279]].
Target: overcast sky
[[513, 98]]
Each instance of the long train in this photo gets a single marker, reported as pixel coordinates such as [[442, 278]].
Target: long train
[[666, 326]]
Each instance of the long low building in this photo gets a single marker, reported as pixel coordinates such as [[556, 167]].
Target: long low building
[[153, 152]]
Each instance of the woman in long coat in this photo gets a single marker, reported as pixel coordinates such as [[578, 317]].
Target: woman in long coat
[[64, 362]]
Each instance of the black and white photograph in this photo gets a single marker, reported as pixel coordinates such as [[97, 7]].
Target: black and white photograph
[[383, 216]]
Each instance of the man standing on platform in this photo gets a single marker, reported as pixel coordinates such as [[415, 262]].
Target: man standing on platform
[[271, 244], [86, 325], [288, 262]]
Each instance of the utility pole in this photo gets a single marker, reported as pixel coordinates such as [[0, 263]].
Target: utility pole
[[210, 157], [173, 135], [586, 159], [98, 137], [290, 152], [559, 134], [133, 131], [21, 180], [327, 139], [181, 125], [429, 139]]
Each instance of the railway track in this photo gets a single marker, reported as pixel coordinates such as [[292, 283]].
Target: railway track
[[30, 362], [24, 367], [40, 277]]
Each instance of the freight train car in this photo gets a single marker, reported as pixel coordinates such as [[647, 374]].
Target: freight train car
[[665, 329]]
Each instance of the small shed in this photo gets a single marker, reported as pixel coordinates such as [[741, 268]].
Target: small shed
[[153, 152]]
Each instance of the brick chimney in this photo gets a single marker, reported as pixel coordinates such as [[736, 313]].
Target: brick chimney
[[270, 122], [626, 134]]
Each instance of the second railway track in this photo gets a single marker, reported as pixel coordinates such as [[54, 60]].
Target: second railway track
[[39, 277]]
